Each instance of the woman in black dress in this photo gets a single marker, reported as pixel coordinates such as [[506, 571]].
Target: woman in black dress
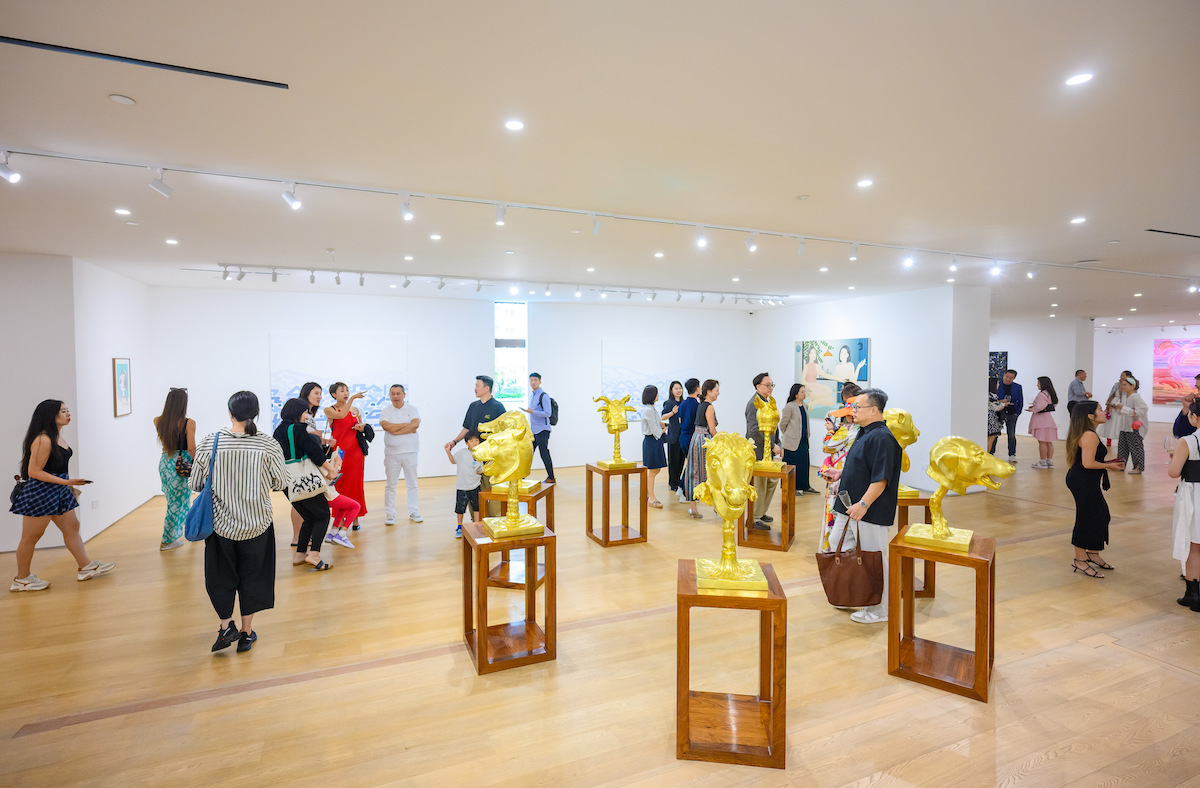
[[1085, 479], [675, 454]]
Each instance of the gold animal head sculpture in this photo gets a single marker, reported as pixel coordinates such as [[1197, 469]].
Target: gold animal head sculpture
[[730, 462], [956, 464], [900, 423], [614, 411], [508, 452]]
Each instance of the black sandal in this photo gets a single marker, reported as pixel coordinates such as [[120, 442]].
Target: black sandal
[[321, 567], [1098, 562], [1086, 569]]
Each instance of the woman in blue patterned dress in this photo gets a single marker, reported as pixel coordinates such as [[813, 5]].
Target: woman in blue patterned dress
[[177, 433], [46, 496]]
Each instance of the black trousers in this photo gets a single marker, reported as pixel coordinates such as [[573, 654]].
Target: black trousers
[[675, 458], [542, 441], [800, 459], [314, 512], [243, 568]]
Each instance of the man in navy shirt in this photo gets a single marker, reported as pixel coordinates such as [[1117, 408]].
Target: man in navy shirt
[[687, 421], [1008, 389], [871, 477]]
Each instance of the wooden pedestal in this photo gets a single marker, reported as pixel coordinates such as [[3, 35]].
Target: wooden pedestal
[[625, 533], [742, 729], [501, 646], [510, 572], [781, 535], [926, 584], [953, 669]]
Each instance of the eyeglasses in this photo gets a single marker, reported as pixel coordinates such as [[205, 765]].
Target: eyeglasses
[[856, 406]]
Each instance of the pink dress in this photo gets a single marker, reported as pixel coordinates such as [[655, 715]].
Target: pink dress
[[1042, 425]]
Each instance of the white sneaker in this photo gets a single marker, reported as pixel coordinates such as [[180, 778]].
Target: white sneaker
[[867, 617], [390, 521], [31, 583], [93, 569], [416, 518], [1012, 458], [1049, 464], [180, 542], [1038, 464]]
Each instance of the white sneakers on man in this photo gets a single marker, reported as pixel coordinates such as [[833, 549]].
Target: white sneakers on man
[[31, 583], [416, 518], [865, 616], [93, 569]]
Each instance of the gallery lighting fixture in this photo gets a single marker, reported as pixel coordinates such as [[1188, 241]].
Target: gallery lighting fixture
[[653, 295], [853, 252], [1029, 274], [995, 270], [603, 294], [1137, 295], [547, 290], [1079, 220], [722, 298], [865, 182], [595, 223], [801, 247], [392, 285], [407, 281], [1079, 79], [158, 185], [701, 298], [6, 172], [408, 257], [823, 269], [172, 242], [953, 262], [513, 290], [121, 211], [441, 283], [701, 241], [289, 196], [591, 270], [225, 273], [362, 280], [478, 285], [752, 242], [337, 278], [1192, 288], [1053, 287], [679, 295], [736, 279], [950, 280], [578, 294], [435, 237], [274, 275], [628, 294], [512, 124], [241, 274], [312, 278], [908, 259], [501, 209], [658, 254], [406, 211]]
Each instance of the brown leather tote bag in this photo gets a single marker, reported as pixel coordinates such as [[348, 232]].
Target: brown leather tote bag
[[853, 578]]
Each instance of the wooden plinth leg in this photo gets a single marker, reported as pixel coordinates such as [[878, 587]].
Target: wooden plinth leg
[[468, 588], [481, 601], [766, 656], [531, 554], [779, 684], [625, 499], [587, 475], [550, 508], [549, 588], [644, 504], [605, 482], [683, 680], [907, 597]]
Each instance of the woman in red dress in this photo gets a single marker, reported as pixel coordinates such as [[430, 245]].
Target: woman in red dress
[[345, 422]]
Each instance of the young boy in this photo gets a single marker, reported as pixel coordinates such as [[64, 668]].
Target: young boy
[[469, 470]]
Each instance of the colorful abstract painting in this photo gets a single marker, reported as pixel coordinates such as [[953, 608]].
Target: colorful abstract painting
[[1176, 364]]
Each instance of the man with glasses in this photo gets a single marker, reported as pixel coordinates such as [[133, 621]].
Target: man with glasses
[[765, 487], [399, 421], [871, 477]]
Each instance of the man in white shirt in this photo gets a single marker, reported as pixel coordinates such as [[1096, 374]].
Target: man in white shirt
[[399, 422]]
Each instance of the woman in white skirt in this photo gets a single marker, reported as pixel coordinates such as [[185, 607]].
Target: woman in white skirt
[[1185, 466]]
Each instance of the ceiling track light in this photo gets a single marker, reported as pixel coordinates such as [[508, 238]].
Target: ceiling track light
[[406, 210], [6, 172], [628, 294], [362, 280], [603, 294], [722, 298], [337, 278], [752, 242], [158, 185], [802, 247], [441, 283], [853, 252], [501, 210], [312, 277], [702, 298], [701, 240], [908, 258], [578, 293], [274, 275], [407, 282], [289, 196], [595, 224], [653, 295], [995, 269], [547, 290], [241, 274], [225, 273], [478, 285], [678, 295]]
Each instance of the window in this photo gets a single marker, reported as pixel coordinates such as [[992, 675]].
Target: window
[[512, 355]]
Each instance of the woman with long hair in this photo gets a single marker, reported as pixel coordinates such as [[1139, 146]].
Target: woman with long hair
[[345, 423], [793, 432], [311, 393], [670, 411], [1185, 466], [177, 434], [46, 496], [695, 472], [297, 444], [1041, 423], [653, 456], [239, 555], [1130, 423], [1087, 478]]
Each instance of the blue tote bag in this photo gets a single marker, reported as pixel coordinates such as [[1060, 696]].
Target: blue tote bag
[[199, 523]]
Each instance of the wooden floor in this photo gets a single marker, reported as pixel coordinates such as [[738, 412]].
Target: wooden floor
[[360, 676]]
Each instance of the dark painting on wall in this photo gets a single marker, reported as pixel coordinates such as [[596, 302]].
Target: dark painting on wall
[[997, 363]]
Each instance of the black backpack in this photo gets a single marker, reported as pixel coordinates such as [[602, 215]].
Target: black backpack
[[553, 410]]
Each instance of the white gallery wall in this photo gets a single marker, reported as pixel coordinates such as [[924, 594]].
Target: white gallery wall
[[929, 352], [1054, 347], [1133, 349]]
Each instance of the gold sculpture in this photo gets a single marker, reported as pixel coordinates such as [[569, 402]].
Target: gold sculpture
[[730, 462], [900, 424], [956, 464], [768, 422], [614, 418], [507, 456]]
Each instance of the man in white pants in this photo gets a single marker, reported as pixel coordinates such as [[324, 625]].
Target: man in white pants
[[871, 478], [399, 422]]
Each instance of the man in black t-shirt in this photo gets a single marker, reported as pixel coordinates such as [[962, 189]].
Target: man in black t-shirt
[[871, 478], [484, 409]]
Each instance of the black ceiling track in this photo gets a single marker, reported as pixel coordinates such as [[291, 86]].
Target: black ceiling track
[[1169, 232], [136, 62]]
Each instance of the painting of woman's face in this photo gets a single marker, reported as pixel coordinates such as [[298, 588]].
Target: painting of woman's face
[[844, 354], [812, 354]]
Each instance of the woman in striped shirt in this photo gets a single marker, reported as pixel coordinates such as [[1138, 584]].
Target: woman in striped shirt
[[239, 556]]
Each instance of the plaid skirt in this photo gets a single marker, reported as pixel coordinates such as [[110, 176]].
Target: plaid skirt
[[694, 470], [43, 499]]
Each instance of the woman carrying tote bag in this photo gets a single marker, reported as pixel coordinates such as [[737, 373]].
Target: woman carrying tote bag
[[307, 471]]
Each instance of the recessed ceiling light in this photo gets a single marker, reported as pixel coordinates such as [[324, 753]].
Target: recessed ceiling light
[[1054, 305], [603, 294], [1114, 242], [737, 279], [172, 241], [1053, 288], [591, 270], [1133, 309], [574, 232], [121, 211], [1079, 79], [514, 125], [1079, 220], [995, 270], [1051, 314], [1104, 325], [435, 237], [133, 224], [1137, 295], [512, 290], [1029, 274], [408, 257], [658, 254], [532, 293], [951, 279], [851, 287], [393, 285], [953, 267], [865, 182], [1170, 321], [118, 98], [509, 251], [1120, 318], [822, 269]]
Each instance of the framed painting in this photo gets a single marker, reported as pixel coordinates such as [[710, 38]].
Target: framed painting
[[122, 391], [1176, 364], [823, 365]]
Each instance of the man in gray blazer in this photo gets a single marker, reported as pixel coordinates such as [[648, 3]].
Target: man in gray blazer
[[763, 386]]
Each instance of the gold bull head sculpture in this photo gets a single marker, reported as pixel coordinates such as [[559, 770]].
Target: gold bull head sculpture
[[729, 462], [900, 424], [956, 464], [507, 455], [768, 422], [614, 418]]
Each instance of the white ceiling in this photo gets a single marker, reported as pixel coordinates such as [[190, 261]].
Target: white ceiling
[[697, 112]]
